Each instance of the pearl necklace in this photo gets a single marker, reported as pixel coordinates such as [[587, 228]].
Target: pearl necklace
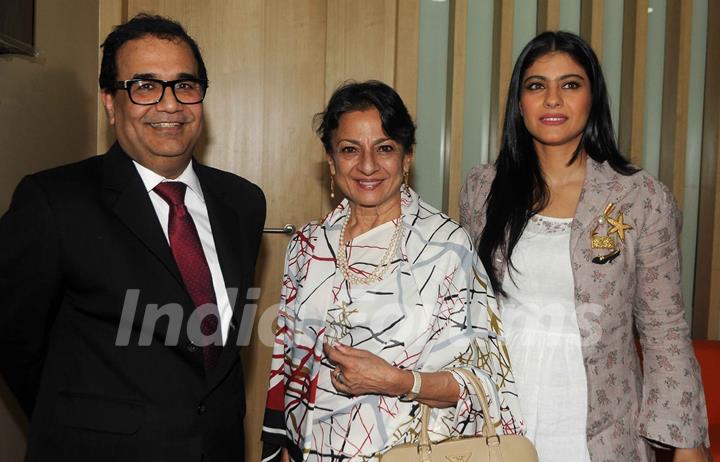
[[380, 270]]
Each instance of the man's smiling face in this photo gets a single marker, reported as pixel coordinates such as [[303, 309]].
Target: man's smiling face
[[155, 134]]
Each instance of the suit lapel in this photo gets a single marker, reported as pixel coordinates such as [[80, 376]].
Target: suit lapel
[[228, 236], [124, 193]]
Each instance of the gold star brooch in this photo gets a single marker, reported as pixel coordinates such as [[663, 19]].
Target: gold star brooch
[[618, 226]]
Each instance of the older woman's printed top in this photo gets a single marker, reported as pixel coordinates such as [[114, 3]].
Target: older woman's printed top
[[432, 310]]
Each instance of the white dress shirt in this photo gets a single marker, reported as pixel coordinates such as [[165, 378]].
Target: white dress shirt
[[195, 203]]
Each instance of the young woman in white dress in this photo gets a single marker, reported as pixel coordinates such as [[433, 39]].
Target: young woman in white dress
[[580, 246]]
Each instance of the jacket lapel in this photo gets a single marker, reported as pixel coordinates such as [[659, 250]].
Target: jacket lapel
[[227, 233], [228, 236], [124, 194]]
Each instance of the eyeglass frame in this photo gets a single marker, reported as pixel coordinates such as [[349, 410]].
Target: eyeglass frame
[[126, 85]]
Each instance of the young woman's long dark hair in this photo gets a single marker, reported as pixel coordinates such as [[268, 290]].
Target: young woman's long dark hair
[[519, 189]]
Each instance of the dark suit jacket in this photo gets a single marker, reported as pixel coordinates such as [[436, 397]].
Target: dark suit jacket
[[74, 241]]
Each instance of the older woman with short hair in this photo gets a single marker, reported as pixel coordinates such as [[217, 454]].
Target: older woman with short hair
[[380, 302]]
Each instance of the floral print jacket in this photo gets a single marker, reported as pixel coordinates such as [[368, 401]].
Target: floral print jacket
[[630, 404]]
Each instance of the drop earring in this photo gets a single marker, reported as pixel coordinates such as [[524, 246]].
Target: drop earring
[[406, 179], [332, 186]]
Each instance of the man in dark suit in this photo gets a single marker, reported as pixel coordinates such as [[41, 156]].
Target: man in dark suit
[[123, 276]]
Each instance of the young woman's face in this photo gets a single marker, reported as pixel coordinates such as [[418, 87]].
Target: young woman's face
[[555, 101]]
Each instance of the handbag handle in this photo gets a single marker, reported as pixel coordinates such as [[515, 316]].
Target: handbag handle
[[488, 427]]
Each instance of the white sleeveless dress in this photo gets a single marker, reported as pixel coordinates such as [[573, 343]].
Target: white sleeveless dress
[[544, 341]]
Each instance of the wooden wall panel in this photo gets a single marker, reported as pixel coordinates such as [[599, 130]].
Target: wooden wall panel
[[457, 51], [502, 69], [706, 312], [632, 93], [676, 85], [360, 41], [406, 56], [591, 24], [548, 15]]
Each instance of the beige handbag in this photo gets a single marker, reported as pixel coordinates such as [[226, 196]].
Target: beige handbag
[[490, 447]]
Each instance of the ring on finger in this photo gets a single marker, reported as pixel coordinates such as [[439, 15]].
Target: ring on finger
[[339, 376]]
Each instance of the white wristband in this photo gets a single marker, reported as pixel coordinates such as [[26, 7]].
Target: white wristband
[[417, 383]]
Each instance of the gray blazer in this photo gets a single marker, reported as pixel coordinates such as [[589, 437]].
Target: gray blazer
[[629, 404]]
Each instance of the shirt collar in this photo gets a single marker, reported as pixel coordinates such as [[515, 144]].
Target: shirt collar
[[151, 179]]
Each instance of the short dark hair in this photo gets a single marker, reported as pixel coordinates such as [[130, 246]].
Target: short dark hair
[[143, 25], [354, 96]]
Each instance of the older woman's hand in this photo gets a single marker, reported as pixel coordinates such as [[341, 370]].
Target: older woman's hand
[[359, 372]]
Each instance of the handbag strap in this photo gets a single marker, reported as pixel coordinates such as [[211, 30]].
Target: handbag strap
[[488, 427]]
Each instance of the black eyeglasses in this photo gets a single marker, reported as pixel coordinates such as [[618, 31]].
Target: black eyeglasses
[[151, 91]]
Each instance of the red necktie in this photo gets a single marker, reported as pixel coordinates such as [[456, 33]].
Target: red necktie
[[190, 258]]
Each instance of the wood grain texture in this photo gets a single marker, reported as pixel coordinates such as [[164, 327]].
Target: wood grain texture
[[407, 40], [591, 24], [676, 86], [706, 303], [406, 56], [502, 69], [548, 15], [456, 120], [632, 92], [360, 41]]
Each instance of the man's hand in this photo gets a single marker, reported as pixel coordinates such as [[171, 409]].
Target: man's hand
[[699, 454]]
